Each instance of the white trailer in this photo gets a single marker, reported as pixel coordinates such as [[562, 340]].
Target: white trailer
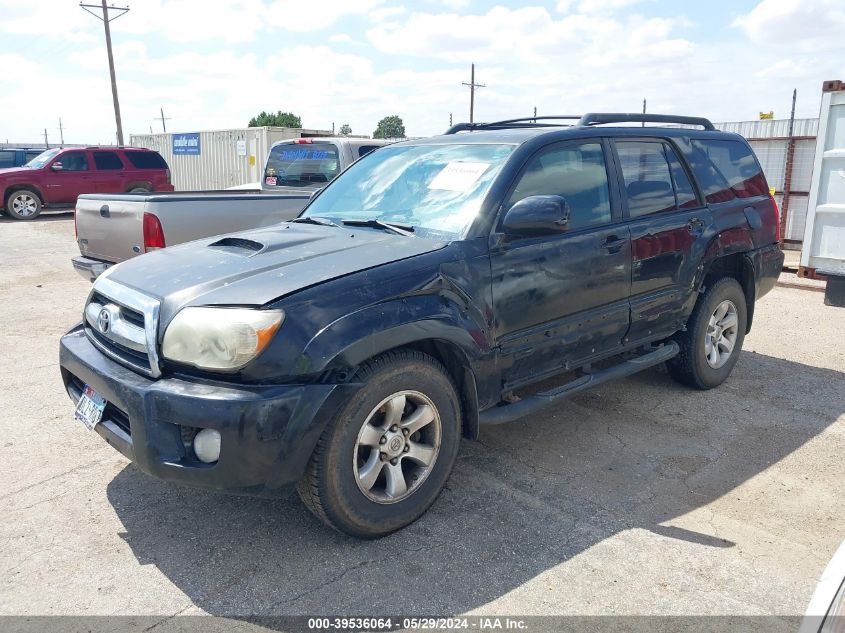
[[823, 250]]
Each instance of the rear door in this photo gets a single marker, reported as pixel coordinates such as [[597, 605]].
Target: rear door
[[562, 298], [110, 172], [63, 186], [667, 221]]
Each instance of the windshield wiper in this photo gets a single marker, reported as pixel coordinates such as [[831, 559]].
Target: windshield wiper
[[315, 220], [396, 227]]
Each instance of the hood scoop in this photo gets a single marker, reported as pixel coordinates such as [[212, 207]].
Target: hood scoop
[[238, 246]]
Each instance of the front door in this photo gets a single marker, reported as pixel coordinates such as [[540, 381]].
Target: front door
[[667, 221], [561, 299], [64, 186]]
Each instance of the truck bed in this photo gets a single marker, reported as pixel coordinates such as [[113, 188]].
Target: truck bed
[[110, 226]]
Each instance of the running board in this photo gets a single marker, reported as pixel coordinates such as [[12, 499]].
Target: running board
[[531, 404]]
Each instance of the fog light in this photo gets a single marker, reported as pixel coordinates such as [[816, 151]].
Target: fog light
[[207, 445]]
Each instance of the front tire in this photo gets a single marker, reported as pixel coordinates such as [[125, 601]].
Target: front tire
[[23, 205], [711, 344], [385, 457]]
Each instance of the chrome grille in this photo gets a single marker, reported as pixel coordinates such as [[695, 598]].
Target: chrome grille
[[123, 324]]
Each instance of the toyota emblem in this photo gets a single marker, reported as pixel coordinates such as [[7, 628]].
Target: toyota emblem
[[104, 320]]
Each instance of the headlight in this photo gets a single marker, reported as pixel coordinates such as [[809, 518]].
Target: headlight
[[219, 338]]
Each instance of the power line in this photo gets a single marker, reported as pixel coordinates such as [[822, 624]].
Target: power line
[[105, 20], [472, 86]]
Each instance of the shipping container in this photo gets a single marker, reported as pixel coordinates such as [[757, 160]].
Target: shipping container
[[823, 250], [218, 159]]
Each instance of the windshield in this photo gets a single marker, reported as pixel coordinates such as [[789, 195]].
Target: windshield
[[42, 159], [301, 165], [437, 189]]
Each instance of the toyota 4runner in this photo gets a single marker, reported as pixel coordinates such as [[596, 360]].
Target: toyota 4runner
[[421, 295]]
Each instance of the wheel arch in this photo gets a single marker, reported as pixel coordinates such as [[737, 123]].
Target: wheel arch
[[737, 266], [18, 187]]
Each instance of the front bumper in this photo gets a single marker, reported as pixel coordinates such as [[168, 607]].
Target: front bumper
[[89, 268], [268, 432]]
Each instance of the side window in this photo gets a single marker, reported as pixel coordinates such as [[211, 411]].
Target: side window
[[363, 150], [107, 160], [737, 165], [648, 183], [576, 172], [146, 160], [7, 158], [74, 161], [684, 193]]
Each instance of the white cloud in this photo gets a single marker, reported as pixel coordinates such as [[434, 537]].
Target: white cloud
[[810, 24], [412, 63]]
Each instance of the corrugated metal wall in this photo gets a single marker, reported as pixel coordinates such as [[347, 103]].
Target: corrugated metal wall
[[218, 164]]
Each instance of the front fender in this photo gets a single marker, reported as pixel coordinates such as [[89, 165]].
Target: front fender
[[363, 334]]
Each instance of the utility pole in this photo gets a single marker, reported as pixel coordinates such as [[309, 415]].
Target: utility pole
[[787, 170], [644, 102], [61, 133], [46, 144], [535, 114], [450, 119], [106, 19], [472, 86], [163, 119]]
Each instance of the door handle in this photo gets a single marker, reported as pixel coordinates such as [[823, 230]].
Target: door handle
[[695, 226], [613, 244]]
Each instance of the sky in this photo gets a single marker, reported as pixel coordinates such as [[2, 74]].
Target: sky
[[213, 64]]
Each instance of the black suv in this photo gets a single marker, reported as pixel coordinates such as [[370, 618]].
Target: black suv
[[423, 294]]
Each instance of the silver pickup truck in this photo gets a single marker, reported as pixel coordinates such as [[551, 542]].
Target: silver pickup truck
[[111, 228]]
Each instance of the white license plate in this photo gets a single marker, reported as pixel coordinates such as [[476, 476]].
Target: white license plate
[[89, 409]]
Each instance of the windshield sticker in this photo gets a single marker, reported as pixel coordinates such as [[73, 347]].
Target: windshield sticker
[[458, 176], [270, 180], [304, 154]]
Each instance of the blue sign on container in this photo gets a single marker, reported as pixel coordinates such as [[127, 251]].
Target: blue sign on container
[[184, 144]]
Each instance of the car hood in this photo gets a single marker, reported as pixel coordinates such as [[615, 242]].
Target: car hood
[[11, 171], [253, 268]]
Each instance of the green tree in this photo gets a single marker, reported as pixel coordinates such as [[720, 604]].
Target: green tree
[[345, 130], [280, 119], [390, 127]]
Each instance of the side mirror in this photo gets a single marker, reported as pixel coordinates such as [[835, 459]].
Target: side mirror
[[537, 215], [57, 166]]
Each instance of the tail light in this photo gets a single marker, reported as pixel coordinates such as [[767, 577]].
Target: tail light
[[75, 230], [153, 233], [302, 141], [167, 171], [777, 217]]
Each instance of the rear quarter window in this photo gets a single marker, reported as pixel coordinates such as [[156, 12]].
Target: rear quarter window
[[737, 169], [146, 160]]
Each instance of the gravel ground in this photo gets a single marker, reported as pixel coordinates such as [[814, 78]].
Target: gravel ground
[[640, 497]]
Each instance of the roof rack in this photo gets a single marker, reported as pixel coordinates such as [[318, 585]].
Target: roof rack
[[600, 118], [593, 118], [528, 121]]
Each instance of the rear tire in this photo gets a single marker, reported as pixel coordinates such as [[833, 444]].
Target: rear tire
[[713, 340], [386, 455], [23, 204]]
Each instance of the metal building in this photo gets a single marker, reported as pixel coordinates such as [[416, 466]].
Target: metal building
[[218, 159]]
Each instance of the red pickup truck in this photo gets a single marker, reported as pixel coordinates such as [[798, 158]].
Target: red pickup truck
[[55, 178]]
